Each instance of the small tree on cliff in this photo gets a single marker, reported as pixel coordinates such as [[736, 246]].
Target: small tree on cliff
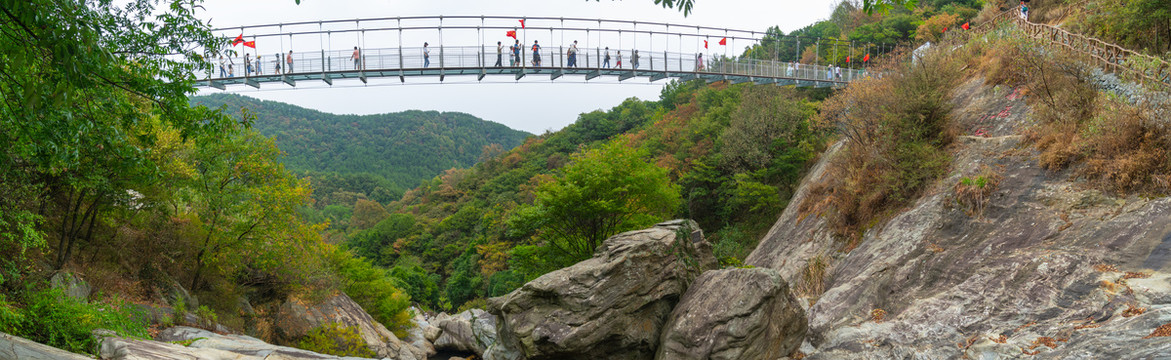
[[600, 193]]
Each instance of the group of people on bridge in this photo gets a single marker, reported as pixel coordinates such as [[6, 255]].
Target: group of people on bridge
[[253, 67]]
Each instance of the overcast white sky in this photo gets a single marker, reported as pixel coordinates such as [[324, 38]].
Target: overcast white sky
[[533, 104]]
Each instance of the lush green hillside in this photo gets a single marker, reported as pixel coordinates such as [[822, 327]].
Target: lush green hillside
[[402, 148]]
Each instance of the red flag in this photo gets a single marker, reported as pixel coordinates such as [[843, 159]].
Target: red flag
[[847, 59], [705, 44], [251, 44], [866, 58], [944, 29], [965, 26], [238, 40], [511, 34], [724, 41], [522, 23]]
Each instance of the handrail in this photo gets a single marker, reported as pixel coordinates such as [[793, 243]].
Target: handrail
[[1113, 57]]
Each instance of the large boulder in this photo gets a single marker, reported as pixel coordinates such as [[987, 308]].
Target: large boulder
[[469, 331], [611, 306], [71, 285], [296, 318], [417, 334], [185, 343], [734, 314], [15, 347]]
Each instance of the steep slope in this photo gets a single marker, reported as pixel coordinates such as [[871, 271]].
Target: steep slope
[[1047, 265], [404, 148]]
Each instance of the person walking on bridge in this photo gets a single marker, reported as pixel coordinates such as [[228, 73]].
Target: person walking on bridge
[[573, 54], [356, 56], [618, 63], [289, 63], [499, 53], [426, 55], [536, 54], [257, 61], [699, 62], [516, 52], [606, 62], [247, 65], [634, 60], [223, 67]]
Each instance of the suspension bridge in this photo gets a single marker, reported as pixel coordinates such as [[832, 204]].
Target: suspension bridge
[[442, 46]]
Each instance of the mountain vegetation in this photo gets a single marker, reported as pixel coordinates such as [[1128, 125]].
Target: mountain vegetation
[[377, 156], [108, 171]]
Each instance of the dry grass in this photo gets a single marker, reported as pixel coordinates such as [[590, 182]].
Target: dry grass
[[896, 129], [1116, 146], [1105, 268], [812, 282], [973, 192], [1161, 331], [878, 315], [1132, 310], [1135, 275]]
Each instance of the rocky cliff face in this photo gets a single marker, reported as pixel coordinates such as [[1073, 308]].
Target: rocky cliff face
[[1046, 268]]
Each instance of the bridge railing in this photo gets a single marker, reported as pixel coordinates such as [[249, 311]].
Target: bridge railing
[[470, 57]]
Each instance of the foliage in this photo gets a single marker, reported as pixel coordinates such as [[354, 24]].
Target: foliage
[[600, 193], [373, 289], [49, 317], [933, 29], [1143, 25], [336, 339], [895, 130], [973, 192], [376, 156]]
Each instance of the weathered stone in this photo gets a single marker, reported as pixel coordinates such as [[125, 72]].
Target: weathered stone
[[18, 348], [611, 306], [71, 284], [416, 335], [734, 314], [203, 345], [296, 318], [470, 331], [1044, 263]]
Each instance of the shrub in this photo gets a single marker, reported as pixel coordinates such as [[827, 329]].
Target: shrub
[[63, 322], [896, 129], [972, 192], [336, 339], [373, 288]]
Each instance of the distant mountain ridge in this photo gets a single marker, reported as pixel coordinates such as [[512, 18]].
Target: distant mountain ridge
[[404, 147]]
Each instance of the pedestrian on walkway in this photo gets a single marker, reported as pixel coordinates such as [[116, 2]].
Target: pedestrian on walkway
[[699, 62], [247, 65], [231, 71], [573, 54], [536, 54], [499, 53], [426, 55], [634, 60], [289, 62], [516, 52], [258, 64], [223, 67], [356, 56], [618, 56], [278, 63], [606, 63]]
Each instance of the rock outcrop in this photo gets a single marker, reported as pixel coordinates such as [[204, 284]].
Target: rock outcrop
[[71, 285], [731, 314], [417, 334], [297, 318], [469, 331], [185, 343], [611, 306], [15, 347], [1047, 267]]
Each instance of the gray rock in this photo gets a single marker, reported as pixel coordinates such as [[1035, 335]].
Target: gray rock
[[611, 306], [203, 345], [469, 331], [71, 284], [18, 348], [734, 314], [1024, 272], [417, 335], [296, 318]]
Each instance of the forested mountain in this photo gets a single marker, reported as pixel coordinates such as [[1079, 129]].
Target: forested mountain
[[403, 148]]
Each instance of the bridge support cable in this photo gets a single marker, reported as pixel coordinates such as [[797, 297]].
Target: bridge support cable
[[401, 77], [442, 66]]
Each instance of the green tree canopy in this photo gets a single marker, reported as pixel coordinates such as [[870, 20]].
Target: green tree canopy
[[602, 192]]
